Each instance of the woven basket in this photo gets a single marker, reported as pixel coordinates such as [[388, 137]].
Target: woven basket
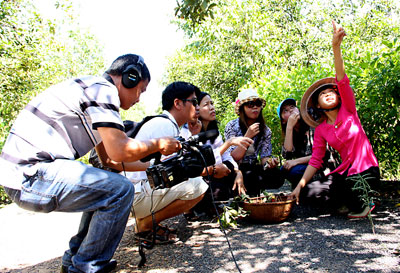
[[270, 212]]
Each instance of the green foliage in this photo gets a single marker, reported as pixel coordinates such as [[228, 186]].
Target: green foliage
[[194, 11], [36, 53], [281, 47], [232, 212], [4, 199], [136, 113], [362, 187]]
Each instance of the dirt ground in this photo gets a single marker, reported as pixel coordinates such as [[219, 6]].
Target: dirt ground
[[311, 240]]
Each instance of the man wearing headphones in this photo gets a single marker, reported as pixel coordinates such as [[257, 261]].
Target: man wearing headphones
[[38, 166]]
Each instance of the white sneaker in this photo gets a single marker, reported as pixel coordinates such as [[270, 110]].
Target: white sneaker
[[367, 210]]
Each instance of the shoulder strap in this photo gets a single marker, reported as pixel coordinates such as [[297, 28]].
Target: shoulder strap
[[133, 128]]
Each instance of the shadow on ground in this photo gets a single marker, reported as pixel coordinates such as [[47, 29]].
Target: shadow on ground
[[311, 240]]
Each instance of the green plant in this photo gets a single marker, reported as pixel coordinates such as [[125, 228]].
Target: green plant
[[366, 194], [36, 53], [194, 11], [232, 212], [4, 199]]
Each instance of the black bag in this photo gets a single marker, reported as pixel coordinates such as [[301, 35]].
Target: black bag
[[131, 128]]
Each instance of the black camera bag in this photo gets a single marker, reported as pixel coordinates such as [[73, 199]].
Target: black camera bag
[[131, 129]]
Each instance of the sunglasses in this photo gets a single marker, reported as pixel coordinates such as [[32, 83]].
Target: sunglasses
[[251, 104], [194, 101]]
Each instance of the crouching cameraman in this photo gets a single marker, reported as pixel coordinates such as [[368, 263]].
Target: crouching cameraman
[[38, 167], [180, 105]]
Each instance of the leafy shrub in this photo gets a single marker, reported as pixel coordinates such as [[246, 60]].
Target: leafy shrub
[[281, 47], [36, 53]]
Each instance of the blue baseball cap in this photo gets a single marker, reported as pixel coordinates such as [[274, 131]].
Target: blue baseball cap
[[285, 101]]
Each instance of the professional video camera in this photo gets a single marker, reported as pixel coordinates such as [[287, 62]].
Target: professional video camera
[[188, 162]]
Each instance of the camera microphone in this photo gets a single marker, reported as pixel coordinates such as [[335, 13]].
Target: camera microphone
[[202, 137]]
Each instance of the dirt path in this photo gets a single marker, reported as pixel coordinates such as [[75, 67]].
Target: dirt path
[[28, 238], [311, 240]]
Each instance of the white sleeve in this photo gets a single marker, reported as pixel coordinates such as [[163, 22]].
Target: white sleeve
[[226, 156]]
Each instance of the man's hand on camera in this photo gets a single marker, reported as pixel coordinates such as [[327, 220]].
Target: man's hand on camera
[[168, 145]]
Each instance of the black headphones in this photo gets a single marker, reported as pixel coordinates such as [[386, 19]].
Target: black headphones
[[132, 75]]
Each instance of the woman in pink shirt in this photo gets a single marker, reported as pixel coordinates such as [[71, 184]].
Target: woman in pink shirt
[[329, 105]]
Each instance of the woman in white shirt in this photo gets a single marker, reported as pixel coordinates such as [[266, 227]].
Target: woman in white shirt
[[223, 187]]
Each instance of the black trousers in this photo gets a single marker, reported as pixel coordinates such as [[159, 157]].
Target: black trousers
[[221, 189], [337, 190], [256, 179]]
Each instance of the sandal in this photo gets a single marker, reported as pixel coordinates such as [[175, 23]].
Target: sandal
[[167, 229], [161, 238], [191, 216]]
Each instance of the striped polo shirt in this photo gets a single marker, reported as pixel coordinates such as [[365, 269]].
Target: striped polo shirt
[[61, 122]]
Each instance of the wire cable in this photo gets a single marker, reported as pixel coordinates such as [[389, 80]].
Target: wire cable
[[216, 210]]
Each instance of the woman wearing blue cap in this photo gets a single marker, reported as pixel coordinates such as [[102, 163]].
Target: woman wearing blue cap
[[297, 149], [297, 141]]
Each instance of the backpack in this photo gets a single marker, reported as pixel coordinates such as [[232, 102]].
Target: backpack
[[131, 128]]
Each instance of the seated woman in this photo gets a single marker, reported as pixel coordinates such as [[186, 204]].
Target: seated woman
[[298, 139], [258, 174], [329, 105], [226, 186], [297, 145]]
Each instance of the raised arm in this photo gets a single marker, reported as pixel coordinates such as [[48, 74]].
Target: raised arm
[[243, 142], [291, 123], [337, 38], [346, 93]]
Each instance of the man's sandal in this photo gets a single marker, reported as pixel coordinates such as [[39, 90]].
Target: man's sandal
[[167, 229], [162, 236]]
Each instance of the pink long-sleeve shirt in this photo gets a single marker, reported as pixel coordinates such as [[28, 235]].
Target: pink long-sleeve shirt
[[346, 136]]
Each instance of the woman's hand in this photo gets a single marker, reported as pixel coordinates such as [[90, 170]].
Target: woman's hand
[[293, 119], [238, 183], [243, 142], [337, 38], [253, 130], [290, 164], [195, 127], [338, 35], [271, 162], [295, 194], [308, 174]]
